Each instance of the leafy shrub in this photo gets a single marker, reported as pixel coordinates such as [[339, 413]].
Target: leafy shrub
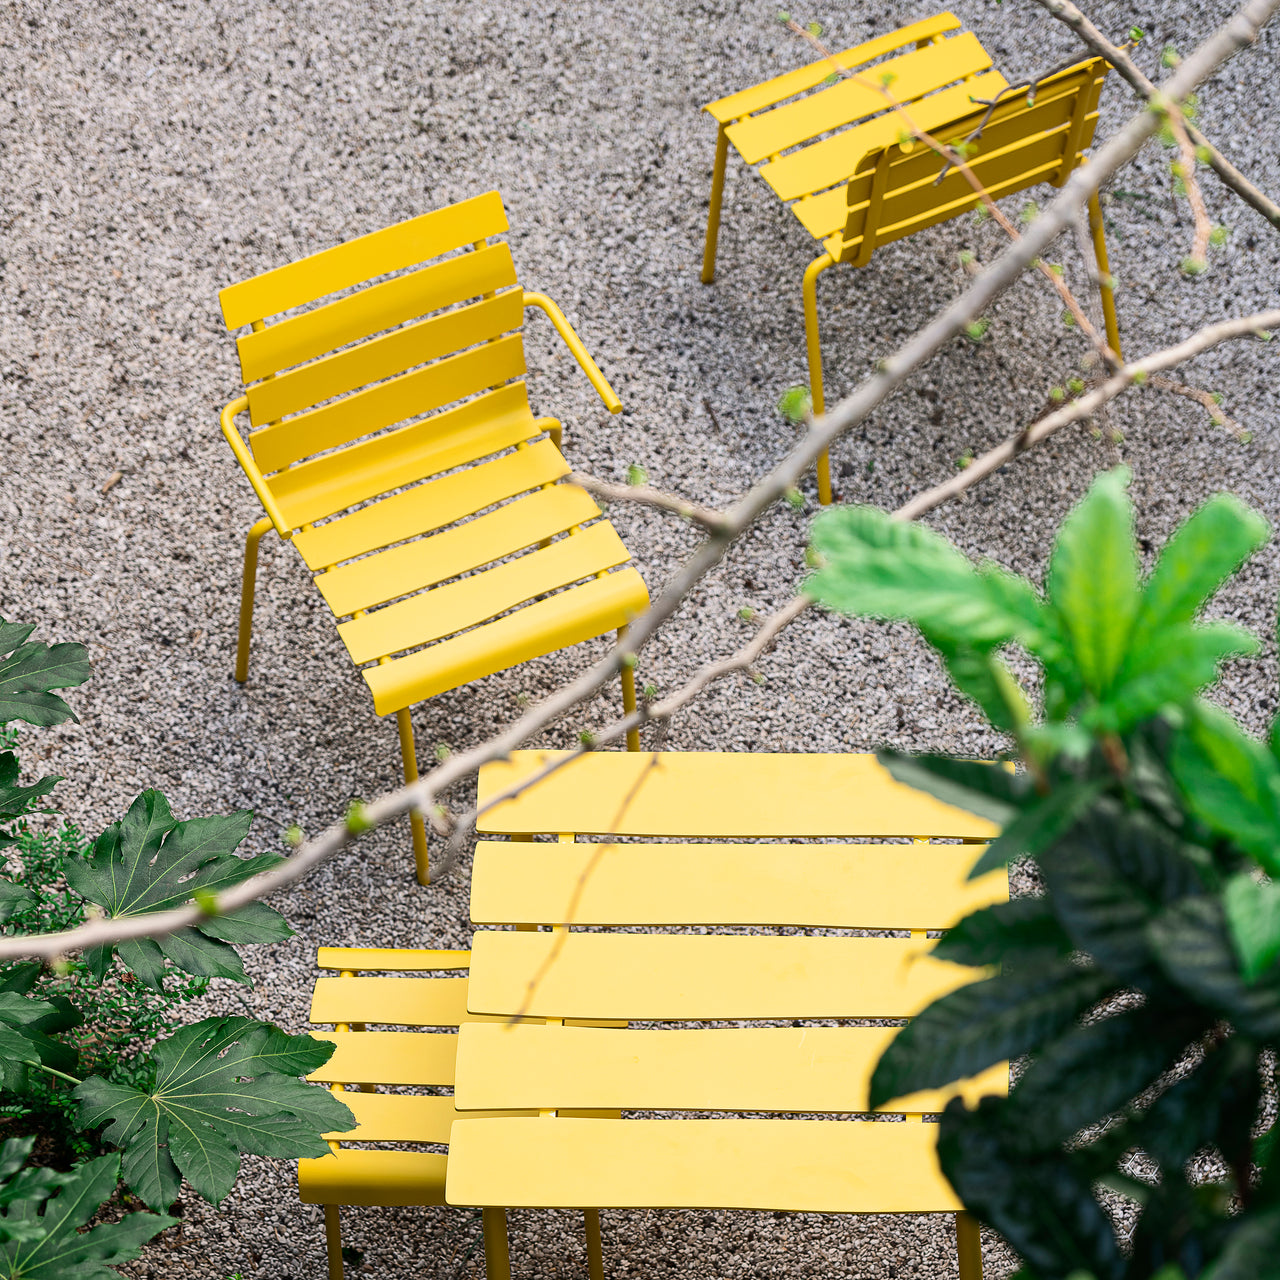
[[1143, 983]]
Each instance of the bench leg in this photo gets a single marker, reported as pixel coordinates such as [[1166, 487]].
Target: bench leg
[[595, 1246], [247, 582], [713, 213], [629, 699], [816, 393], [968, 1246], [497, 1258], [333, 1241], [1104, 275], [409, 758]]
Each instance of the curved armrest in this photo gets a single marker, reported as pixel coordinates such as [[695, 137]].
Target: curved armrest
[[251, 468], [576, 349]]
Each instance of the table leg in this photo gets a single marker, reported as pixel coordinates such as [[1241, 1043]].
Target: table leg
[[595, 1246], [497, 1258]]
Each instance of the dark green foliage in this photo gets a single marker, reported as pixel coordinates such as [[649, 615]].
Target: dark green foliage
[[1144, 985]]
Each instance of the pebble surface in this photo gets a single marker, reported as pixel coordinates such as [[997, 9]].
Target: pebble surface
[[151, 154]]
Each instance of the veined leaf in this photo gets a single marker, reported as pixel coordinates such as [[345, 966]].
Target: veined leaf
[[1253, 914], [982, 1024], [1206, 550], [1022, 930], [13, 896], [1252, 1250], [31, 670], [1040, 822], [26, 1028], [989, 791], [223, 1087], [40, 1236], [151, 862], [1092, 582], [981, 676]]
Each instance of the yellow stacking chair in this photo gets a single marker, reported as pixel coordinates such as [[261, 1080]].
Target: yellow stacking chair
[[371, 985], [837, 155], [394, 444]]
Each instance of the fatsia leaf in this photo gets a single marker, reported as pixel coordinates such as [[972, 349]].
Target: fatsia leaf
[[15, 800], [31, 671], [151, 862], [1092, 583], [223, 1087], [42, 1225], [875, 566], [1253, 914], [1206, 550], [1230, 781], [982, 1024]]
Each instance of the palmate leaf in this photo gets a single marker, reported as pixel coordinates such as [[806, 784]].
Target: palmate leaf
[[223, 1087], [30, 670], [40, 1236], [151, 862]]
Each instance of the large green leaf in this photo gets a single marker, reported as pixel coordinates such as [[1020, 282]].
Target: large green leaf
[[984, 1023], [15, 800], [151, 862], [1025, 928], [1206, 550], [1092, 583], [26, 1030], [40, 1235], [223, 1087], [1040, 822], [31, 670]]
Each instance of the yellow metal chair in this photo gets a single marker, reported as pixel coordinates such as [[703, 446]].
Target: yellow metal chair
[[836, 155], [369, 986], [392, 441]]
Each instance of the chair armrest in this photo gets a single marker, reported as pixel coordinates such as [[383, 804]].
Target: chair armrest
[[251, 468], [576, 349]]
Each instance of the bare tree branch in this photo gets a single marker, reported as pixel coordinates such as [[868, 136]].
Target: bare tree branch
[[646, 495], [1237, 32]]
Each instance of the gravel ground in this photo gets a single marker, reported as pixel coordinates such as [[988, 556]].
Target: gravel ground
[[152, 153]]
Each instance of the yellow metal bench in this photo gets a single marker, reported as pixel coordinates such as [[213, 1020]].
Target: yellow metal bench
[[836, 154], [392, 441], [711, 905]]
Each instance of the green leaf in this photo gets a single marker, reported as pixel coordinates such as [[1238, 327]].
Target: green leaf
[[1092, 582], [1253, 914], [986, 680], [151, 862], [40, 1236], [29, 673], [984, 1023], [1204, 552], [990, 791], [1040, 822], [15, 800], [795, 404], [26, 1029], [1025, 928], [12, 897], [223, 1087], [1252, 1250]]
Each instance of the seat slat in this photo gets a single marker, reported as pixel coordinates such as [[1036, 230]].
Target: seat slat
[[787, 1069], [567, 618], [834, 159], [760, 96], [427, 561], [401, 1117], [859, 886], [418, 392], [441, 612], [915, 74], [391, 249], [721, 794], [432, 505], [352, 1176], [380, 306], [388, 1057], [396, 959], [408, 1002], [674, 977], [818, 1166], [394, 352], [333, 483]]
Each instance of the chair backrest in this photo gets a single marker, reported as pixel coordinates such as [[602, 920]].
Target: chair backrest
[[394, 343], [1026, 139]]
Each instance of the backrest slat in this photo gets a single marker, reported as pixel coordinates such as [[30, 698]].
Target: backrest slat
[[372, 310], [379, 253], [394, 352], [724, 795]]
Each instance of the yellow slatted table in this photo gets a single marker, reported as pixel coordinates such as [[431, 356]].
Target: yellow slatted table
[[647, 907]]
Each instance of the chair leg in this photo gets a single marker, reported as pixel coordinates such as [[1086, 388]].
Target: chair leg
[[968, 1246], [246, 596], [811, 274], [1104, 275], [713, 213], [595, 1246], [409, 758], [497, 1257], [629, 699], [333, 1241]]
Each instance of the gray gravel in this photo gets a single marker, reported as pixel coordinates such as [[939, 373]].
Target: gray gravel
[[153, 153]]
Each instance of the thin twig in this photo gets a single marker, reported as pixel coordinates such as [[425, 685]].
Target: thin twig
[[646, 495], [1195, 197]]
